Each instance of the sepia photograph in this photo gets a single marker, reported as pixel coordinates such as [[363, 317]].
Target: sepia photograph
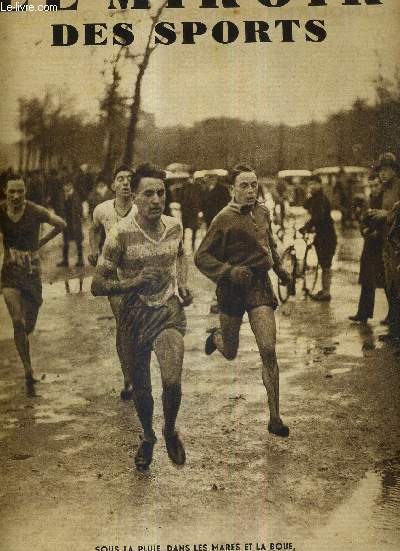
[[200, 275]]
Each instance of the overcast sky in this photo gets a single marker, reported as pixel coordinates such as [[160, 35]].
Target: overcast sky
[[273, 82]]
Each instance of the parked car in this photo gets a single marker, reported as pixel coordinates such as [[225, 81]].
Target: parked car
[[347, 188], [295, 182]]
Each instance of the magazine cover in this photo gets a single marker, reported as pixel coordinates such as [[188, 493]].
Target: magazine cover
[[200, 251]]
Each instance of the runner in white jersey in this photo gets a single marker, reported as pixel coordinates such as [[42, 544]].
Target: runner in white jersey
[[143, 261], [105, 216]]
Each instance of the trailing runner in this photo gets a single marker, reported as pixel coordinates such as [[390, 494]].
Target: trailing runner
[[21, 284], [105, 216]]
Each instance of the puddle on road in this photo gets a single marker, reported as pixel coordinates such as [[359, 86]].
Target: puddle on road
[[369, 519], [10, 423], [347, 346], [5, 383], [57, 412], [53, 417], [72, 450], [340, 370], [388, 504], [58, 437], [20, 456], [71, 285], [4, 396]]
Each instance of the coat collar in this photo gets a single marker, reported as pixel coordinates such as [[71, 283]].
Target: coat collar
[[243, 209]]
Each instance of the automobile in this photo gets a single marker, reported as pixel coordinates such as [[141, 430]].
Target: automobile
[[295, 182], [344, 183], [198, 176], [174, 182], [178, 167]]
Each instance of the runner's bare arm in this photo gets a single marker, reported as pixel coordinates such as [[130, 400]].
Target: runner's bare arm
[[181, 267], [282, 274], [58, 226], [185, 295], [106, 283], [94, 243]]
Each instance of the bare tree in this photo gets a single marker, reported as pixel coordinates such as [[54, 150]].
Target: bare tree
[[112, 106], [134, 111]]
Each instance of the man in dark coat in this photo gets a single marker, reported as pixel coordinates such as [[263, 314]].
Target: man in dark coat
[[191, 207], [394, 240], [322, 224], [99, 194], [72, 214], [55, 191], [216, 197], [36, 188], [388, 170], [372, 271], [84, 182]]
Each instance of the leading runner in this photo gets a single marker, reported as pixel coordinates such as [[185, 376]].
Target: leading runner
[[143, 260]]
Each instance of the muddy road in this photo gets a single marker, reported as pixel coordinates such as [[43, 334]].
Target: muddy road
[[67, 476]]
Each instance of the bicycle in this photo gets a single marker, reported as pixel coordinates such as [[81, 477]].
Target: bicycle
[[306, 268]]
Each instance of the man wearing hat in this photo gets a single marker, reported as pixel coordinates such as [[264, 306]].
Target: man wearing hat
[[388, 170]]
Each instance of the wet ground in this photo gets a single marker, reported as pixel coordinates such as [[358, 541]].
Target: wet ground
[[67, 477]]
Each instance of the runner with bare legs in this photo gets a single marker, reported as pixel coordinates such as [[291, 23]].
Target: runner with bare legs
[[237, 253], [21, 284], [143, 260], [105, 216]]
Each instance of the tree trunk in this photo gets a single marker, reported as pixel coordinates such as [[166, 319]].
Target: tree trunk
[[28, 156], [21, 147], [135, 113], [131, 134]]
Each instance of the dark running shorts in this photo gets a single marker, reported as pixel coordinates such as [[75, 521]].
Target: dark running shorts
[[235, 300], [138, 327], [29, 285]]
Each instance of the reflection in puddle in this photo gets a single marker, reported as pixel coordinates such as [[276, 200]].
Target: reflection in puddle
[[53, 417], [4, 396], [5, 383], [347, 346], [370, 518], [10, 422], [388, 504], [62, 436], [57, 412], [20, 456], [76, 449]]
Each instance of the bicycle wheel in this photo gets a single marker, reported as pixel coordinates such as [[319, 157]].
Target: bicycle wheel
[[288, 263], [310, 269]]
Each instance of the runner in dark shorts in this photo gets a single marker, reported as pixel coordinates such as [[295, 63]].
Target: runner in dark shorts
[[237, 253], [143, 260], [21, 284]]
